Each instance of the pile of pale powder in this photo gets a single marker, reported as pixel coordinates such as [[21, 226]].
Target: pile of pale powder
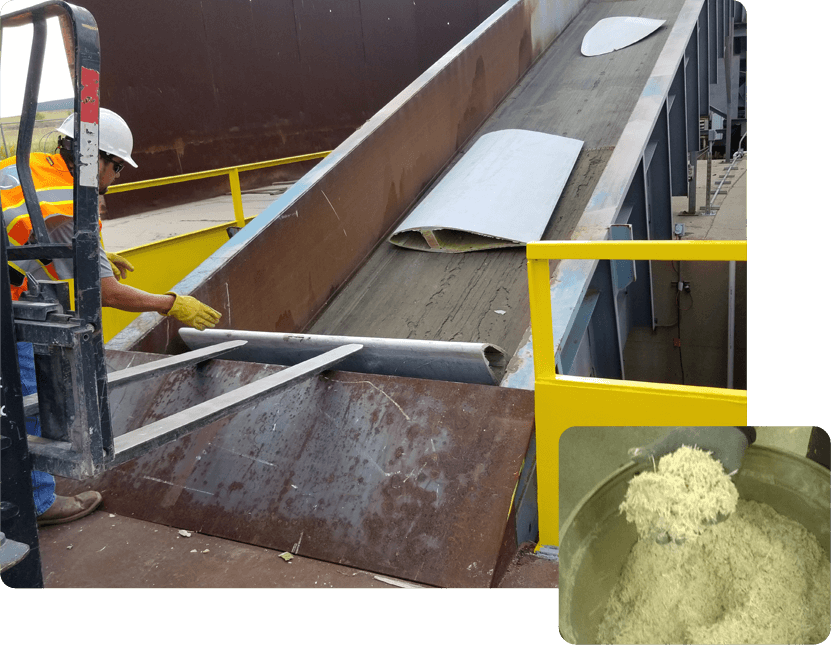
[[756, 577], [687, 492]]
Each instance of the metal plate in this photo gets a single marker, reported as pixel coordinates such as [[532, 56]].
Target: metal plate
[[501, 193], [611, 34], [403, 477]]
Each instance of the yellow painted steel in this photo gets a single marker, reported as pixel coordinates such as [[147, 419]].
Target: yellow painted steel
[[159, 266], [163, 181], [717, 250], [236, 196], [564, 401]]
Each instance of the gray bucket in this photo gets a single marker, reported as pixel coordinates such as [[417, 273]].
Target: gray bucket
[[596, 538]]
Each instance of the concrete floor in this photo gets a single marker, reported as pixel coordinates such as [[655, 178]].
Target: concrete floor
[[162, 223], [727, 219]]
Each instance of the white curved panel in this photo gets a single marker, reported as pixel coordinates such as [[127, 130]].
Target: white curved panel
[[501, 193], [611, 34]]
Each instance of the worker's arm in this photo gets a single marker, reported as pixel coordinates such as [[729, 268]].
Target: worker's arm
[[121, 296], [185, 309]]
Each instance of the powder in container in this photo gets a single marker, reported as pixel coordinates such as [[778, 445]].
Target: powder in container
[[687, 493]]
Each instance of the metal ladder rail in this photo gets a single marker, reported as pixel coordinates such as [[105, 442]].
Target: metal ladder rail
[[53, 456], [153, 435], [74, 409], [149, 370], [18, 526]]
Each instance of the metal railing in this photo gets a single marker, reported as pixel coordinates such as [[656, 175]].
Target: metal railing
[[162, 264], [563, 401], [233, 177]]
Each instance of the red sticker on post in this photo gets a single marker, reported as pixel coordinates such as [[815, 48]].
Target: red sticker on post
[[89, 95]]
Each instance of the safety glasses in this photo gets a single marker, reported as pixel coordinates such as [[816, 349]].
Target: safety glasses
[[118, 166]]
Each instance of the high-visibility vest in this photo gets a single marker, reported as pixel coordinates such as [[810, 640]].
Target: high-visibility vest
[[53, 184]]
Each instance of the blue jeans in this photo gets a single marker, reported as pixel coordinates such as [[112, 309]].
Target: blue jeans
[[42, 483]]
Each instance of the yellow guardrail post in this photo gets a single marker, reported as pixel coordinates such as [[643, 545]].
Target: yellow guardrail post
[[561, 401], [233, 176], [236, 196]]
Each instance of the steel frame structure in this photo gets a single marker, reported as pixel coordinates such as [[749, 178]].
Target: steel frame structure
[[649, 166]]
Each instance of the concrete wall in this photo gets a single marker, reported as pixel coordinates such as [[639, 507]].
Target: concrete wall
[[214, 83], [653, 357]]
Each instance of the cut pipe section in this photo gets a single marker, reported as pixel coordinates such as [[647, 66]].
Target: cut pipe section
[[480, 363]]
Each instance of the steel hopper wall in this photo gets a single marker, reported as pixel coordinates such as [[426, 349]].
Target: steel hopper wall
[[280, 270]]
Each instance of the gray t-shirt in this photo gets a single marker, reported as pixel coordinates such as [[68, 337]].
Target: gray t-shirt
[[62, 234]]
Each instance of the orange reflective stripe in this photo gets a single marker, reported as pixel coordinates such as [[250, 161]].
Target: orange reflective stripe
[[16, 291], [54, 186], [50, 270], [19, 230]]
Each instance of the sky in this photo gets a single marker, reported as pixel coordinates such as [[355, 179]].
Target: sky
[[14, 61]]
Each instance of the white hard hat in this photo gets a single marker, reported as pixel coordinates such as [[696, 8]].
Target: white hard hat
[[114, 136]]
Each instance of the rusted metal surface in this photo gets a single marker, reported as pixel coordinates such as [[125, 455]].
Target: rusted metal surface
[[106, 550], [403, 477], [302, 249], [217, 83]]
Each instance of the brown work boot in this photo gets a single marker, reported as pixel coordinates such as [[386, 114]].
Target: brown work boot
[[67, 509]]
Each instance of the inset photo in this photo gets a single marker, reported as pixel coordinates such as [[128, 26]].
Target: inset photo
[[695, 535]]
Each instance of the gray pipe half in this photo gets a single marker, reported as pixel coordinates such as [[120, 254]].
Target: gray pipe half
[[481, 363]]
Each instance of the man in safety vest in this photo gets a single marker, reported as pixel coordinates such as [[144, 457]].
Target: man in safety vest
[[53, 180]]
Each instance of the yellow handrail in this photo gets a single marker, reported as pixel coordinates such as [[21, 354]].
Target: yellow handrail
[[561, 401], [233, 177], [161, 265]]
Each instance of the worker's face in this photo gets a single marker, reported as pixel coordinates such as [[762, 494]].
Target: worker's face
[[107, 172]]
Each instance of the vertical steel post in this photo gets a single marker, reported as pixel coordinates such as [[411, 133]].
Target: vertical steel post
[[17, 504], [27, 125], [731, 321], [692, 181], [236, 196]]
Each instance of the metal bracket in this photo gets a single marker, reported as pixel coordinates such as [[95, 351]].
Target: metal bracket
[[149, 370], [63, 455], [66, 447]]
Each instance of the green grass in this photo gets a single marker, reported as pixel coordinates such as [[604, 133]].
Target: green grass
[[44, 137]]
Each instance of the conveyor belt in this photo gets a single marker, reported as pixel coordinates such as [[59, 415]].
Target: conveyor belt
[[408, 294], [322, 243]]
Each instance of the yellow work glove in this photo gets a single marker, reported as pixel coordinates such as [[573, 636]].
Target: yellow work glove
[[190, 311], [120, 266]]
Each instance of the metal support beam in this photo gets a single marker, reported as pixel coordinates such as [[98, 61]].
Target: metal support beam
[[639, 165], [137, 442], [150, 370]]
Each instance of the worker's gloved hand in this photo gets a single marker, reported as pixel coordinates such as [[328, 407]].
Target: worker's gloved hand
[[120, 266], [190, 311], [728, 445]]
